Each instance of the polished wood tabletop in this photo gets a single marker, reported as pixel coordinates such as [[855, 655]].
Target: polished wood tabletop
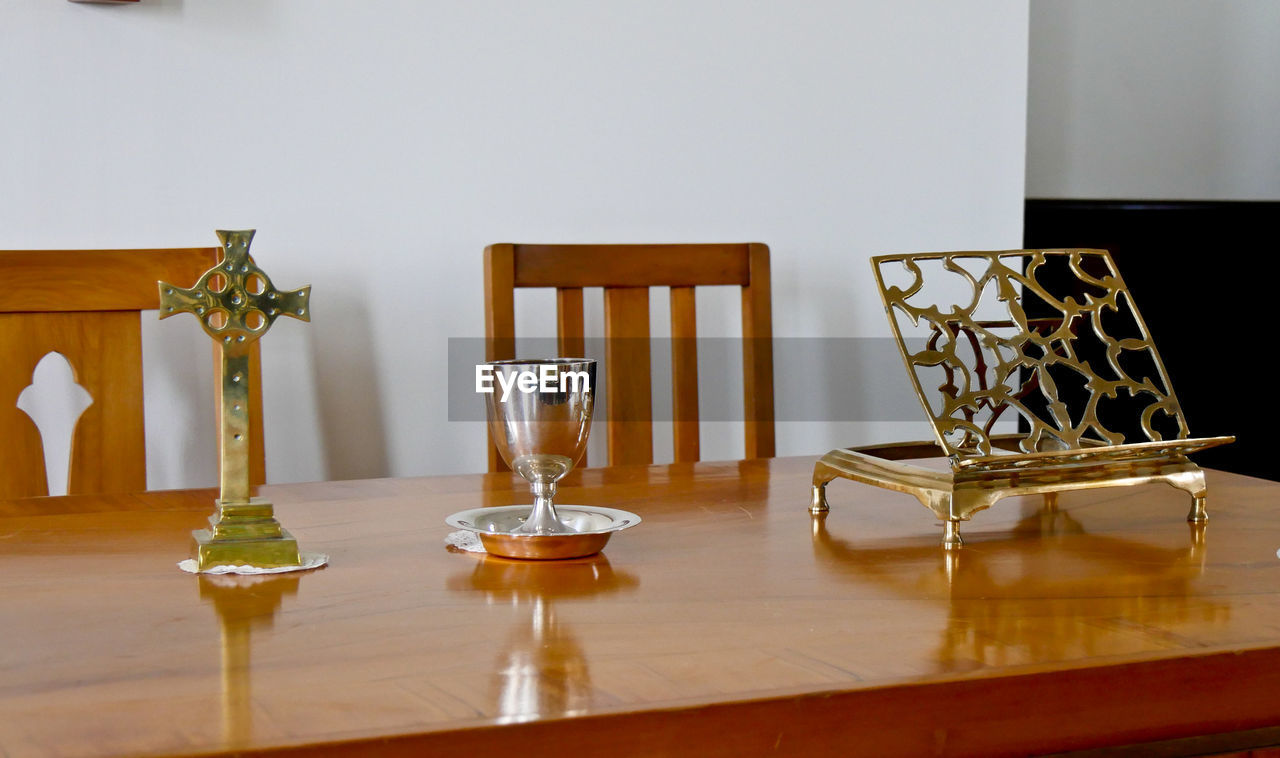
[[729, 622]]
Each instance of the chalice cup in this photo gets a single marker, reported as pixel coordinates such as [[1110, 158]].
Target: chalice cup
[[540, 416]]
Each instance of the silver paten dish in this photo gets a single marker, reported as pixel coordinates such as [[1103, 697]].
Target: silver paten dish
[[588, 528]]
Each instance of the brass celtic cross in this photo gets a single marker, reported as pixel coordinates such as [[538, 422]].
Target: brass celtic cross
[[236, 304]]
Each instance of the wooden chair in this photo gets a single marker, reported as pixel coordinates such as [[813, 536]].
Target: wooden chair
[[626, 272], [86, 305]]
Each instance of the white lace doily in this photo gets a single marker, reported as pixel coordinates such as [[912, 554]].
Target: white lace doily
[[309, 561], [465, 541]]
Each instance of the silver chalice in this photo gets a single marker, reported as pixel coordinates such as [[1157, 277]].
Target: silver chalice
[[540, 414]]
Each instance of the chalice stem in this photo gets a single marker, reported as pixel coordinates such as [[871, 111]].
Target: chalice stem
[[543, 519]]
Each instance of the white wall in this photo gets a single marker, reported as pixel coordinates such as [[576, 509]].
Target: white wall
[[378, 146], [1154, 99]]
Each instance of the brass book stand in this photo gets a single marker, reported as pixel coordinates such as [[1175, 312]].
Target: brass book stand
[[1028, 385]]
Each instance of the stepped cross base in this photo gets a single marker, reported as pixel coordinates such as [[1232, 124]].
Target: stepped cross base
[[244, 534]]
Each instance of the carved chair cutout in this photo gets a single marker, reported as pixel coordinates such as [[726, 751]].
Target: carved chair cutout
[[54, 402]]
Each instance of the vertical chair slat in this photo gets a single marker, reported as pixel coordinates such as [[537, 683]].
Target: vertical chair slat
[[627, 383], [105, 349], [257, 434], [569, 339], [499, 319], [569, 331], [22, 467], [684, 374], [757, 356]]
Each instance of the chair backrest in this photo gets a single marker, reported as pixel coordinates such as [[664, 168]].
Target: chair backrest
[[86, 305], [626, 272]]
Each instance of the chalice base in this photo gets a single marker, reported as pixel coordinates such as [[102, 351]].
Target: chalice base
[[499, 531]]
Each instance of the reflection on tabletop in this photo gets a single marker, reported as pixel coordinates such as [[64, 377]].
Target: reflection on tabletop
[[243, 602], [1088, 586], [543, 670]]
